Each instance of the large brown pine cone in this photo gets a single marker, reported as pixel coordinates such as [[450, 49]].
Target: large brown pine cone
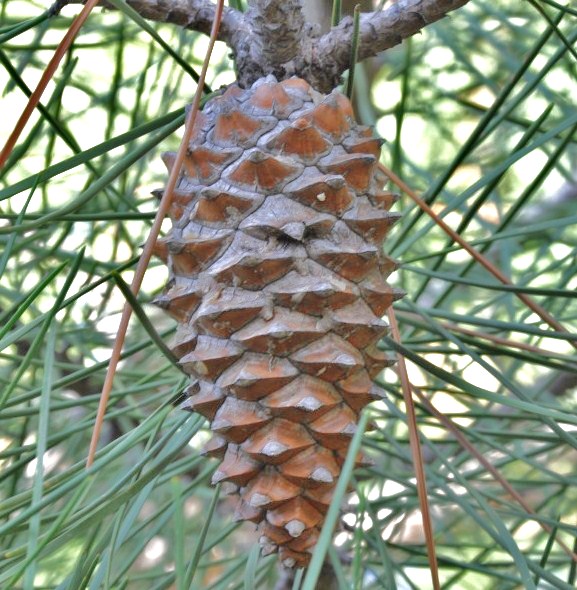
[[277, 280]]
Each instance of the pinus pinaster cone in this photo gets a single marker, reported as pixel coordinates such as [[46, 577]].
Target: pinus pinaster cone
[[277, 280]]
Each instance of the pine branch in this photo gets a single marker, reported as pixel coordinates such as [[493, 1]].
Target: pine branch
[[378, 31], [278, 28], [190, 14], [322, 59], [277, 31], [273, 37]]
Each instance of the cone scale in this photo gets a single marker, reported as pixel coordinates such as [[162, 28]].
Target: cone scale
[[278, 282]]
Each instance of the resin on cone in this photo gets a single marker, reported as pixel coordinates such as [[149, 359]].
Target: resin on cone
[[278, 282]]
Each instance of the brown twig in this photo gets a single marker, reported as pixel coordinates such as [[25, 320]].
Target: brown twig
[[150, 242], [416, 453], [46, 77]]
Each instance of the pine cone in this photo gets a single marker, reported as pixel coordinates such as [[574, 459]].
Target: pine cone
[[277, 280]]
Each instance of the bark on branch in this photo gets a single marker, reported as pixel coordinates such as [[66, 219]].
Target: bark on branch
[[378, 31], [190, 14], [276, 31], [272, 37]]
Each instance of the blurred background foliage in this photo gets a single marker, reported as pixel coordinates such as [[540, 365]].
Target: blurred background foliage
[[479, 116]]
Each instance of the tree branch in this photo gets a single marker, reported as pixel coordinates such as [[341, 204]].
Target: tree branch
[[278, 27], [378, 31], [190, 14], [273, 37], [276, 32]]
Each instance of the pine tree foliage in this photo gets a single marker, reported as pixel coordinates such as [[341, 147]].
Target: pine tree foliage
[[478, 116]]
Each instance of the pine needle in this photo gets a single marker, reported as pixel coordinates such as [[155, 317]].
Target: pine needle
[[418, 463], [151, 241]]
